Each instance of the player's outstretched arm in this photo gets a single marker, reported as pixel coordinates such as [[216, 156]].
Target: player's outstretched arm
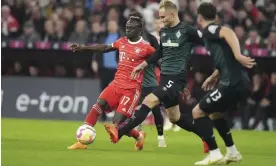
[[211, 81], [233, 42], [94, 48]]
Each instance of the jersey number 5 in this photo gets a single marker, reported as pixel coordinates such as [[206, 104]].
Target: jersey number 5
[[169, 84], [216, 95]]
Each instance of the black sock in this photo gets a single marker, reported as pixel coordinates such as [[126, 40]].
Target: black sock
[[224, 131], [264, 117], [158, 119], [204, 128], [138, 117], [186, 123]]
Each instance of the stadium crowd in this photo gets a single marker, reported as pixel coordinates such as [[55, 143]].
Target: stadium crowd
[[102, 21]]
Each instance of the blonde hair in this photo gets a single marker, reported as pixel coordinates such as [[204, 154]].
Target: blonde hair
[[167, 4]]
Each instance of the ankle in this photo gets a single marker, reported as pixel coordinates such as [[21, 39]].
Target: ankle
[[231, 149], [160, 137], [139, 137], [215, 152]]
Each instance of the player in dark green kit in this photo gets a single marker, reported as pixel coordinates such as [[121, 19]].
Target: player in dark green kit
[[223, 45], [176, 42], [150, 84]]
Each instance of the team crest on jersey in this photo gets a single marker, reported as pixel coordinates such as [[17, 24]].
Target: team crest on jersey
[[178, 34], [208, 100], [137, 50], [123, 46], [163, 34]]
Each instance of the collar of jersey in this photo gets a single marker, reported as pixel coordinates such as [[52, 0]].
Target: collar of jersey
[[141, 38]]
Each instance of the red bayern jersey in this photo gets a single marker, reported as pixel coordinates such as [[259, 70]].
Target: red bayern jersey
[[131, 54]]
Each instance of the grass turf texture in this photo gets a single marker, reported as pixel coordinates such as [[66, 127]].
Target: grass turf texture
[[43, 143]]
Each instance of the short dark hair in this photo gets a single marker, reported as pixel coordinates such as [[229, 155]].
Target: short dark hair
[[136, 14], [137, 17], [207, 10]]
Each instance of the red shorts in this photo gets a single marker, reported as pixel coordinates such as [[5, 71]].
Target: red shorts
[[123, 100]]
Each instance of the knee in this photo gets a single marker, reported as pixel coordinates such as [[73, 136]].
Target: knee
[[197, 113], [151, 101], [173, 119], [215, 116], [264, 103], [173, 115], [119, 118], [103, 104]]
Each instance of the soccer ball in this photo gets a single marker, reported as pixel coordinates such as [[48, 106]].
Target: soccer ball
[[86, 134]]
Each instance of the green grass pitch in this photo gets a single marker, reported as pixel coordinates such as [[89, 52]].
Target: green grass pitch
[[43, 143]]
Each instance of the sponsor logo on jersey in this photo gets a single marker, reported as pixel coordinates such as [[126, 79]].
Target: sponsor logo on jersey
[[170, 44]]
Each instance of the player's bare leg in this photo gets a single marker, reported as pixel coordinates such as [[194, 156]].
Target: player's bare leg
[[91, 119], [232, 154], [183, 121], [204, 128]]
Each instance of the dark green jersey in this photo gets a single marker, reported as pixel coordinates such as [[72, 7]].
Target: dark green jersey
[[176, 46], [150, 79], [231, 71]]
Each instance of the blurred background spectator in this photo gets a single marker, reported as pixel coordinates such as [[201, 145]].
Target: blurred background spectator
[[9, 23], [29, 33]]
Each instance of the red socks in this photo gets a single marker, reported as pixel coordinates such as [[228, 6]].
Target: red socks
[[134, 133], [92, 117]]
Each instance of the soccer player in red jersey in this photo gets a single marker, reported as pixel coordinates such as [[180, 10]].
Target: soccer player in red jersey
[[123, 93]]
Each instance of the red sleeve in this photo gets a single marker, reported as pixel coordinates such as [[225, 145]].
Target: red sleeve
[[117, 43], [150, 50]]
